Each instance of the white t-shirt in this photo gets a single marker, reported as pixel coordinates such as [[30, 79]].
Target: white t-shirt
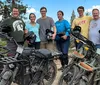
[[94, 34]]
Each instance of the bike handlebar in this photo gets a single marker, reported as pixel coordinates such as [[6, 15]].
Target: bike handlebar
[[83, 39], [10, 60]]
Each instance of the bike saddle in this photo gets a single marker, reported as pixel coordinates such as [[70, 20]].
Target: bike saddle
[[44, 53]]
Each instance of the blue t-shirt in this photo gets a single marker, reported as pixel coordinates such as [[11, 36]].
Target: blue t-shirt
[[63, 26], [35, 29]]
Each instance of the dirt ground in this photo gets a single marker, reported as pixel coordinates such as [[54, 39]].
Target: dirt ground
[[58, 72]]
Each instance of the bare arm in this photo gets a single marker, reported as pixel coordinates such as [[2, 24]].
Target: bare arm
[[73, 24], [25, 31], [54, 29]]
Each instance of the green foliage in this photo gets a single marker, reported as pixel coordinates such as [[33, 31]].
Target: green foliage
[[6, 7], [3, 43], [87, 14], [72, 17]]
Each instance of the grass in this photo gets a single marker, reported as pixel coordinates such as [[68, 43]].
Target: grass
[[3, 43]]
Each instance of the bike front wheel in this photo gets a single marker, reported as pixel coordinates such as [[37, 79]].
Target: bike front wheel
[[51, 74], [68, 75], [6, 78]]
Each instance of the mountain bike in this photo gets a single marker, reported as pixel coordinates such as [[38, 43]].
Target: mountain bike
[[28, 66]]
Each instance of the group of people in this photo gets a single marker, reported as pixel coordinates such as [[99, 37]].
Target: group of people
[[90, 26], [16, 28]]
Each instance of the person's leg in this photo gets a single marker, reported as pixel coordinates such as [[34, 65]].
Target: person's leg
[[65, 48], [58, 44], [50, 46], [37, 45], [43, 45], [78, 44]]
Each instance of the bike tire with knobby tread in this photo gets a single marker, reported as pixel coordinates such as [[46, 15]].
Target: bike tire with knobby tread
[[65, 72]]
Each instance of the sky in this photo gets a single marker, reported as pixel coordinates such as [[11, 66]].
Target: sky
[[67, 6]]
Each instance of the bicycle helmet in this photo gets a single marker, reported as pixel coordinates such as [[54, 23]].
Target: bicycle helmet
[[49, 33], [31, 37], [77, 29]]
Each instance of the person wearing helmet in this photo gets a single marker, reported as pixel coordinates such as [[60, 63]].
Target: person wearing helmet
[[32, 26]]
